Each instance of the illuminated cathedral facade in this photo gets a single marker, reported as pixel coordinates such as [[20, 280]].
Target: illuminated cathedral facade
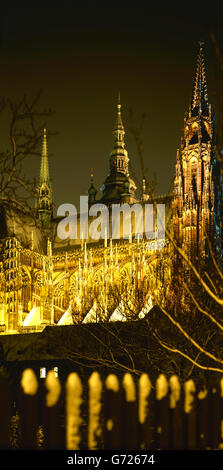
[[48, 281], [197, 202]]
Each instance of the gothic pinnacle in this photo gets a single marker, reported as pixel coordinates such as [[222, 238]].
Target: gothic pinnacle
[[44, 169], [44, 188], [92, 176], [200, 93]]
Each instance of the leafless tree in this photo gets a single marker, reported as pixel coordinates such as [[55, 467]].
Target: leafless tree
[[136, 131], [25, 132]]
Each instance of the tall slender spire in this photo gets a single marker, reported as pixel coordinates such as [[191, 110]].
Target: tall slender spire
[[200, 91], [119, 131], [45, 186], [44, 168]]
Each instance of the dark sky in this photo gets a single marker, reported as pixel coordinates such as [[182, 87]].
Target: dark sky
[[81, 54]]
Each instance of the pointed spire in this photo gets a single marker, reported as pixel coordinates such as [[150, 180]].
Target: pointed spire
[[119, 156], [200, 93], [44, 168], [44, 189], [92, 176], [119, 131], [118, 184]]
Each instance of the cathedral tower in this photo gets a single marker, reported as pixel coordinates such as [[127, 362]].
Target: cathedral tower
[[198, 185], [118, 185], [45, 202]]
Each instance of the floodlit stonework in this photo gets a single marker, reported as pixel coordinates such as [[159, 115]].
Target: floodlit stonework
[[49, 281], [198, 180]]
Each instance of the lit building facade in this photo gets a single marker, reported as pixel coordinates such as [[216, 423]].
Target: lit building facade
[[197, 201], [48, 281]]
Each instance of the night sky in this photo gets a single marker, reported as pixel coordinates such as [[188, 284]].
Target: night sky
[[81, 55]]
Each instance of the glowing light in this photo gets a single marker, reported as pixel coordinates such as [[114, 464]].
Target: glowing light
[[33, 317], [147, 307], [42, 372], [118, 314], [66, 319], [91, 316]]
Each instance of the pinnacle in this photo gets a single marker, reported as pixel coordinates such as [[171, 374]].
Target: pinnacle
[[200, 93], [44, 168]]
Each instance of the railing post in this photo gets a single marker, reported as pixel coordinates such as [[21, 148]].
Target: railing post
[[73, 411], [202, 415], [146, 412], [162, 413], [28, 409], [190, 415], [176, 418], [53, 436], [5, 413], [95, 411], [215, 413], [113, 413], [130, 428]]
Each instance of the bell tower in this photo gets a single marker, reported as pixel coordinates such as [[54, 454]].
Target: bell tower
[[198, 182], [119, 186]]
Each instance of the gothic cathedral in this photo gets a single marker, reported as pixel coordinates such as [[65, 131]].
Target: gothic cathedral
[[48, 281]]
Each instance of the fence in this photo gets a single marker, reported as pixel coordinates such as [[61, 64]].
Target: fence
[[114, 414]]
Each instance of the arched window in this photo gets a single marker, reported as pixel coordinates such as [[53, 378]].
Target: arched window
[[194, 169]]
